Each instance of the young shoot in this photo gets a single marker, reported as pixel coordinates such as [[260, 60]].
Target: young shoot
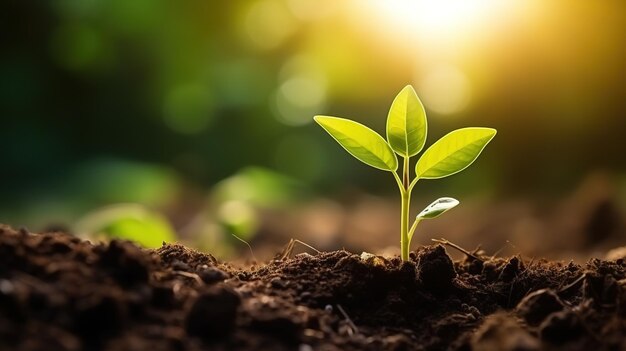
[[406, 137]]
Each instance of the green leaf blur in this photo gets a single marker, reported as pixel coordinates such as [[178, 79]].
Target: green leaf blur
[[132, 222]]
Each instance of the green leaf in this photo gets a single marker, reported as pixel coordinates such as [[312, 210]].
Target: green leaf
[[453, 153], [406, 123], [360, 141], [438, 207]]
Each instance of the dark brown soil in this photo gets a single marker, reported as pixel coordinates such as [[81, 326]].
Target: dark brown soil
[[60, 293]]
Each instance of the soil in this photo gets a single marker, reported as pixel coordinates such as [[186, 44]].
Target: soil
[[58, 292]]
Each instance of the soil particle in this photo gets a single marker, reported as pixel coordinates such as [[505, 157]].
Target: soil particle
[[278, 283], [398, 342], [98, 317], [213, 313], [436, 270], [170, 254], [163, 296], [561, 327], [474, 266], [601, 289], [536, 306], [512, 268], [60, 293], [127, 263], [501, 332], [279, 326], [211, 275]]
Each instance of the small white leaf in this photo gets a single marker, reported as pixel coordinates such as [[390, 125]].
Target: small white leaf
[[438, 207]]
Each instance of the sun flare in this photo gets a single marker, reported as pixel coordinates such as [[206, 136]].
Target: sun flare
[[437, 18]]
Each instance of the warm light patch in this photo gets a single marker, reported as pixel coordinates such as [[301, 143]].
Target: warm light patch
[[444, 89], [432, 19], [269, 23]]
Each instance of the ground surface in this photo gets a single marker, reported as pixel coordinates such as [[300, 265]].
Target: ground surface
[[60, 293]]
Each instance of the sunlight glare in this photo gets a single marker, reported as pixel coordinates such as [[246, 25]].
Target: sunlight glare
[[435, 18]]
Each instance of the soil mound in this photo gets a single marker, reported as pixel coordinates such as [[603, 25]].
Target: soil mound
[[58, 292]]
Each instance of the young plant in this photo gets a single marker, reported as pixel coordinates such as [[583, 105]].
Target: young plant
[[406, 137]]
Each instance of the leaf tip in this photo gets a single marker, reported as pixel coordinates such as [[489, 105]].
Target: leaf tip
[[492, 133], [321, 120], [409, 88]]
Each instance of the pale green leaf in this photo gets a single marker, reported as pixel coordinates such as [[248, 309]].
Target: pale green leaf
[[454, 152], [360, 141], [438, 207], [406, 123]]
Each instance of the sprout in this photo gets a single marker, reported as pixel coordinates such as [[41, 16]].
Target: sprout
[[406, 137]]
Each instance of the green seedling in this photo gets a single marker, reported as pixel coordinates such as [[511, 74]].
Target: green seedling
[[406, 137]]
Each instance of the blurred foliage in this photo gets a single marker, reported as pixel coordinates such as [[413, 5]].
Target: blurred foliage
[[260, 187], [153, 102], [126, 221]]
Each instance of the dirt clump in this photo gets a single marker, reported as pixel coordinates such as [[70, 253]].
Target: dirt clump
[[436, 270], [501, 331], [536, 306], [213, 313]]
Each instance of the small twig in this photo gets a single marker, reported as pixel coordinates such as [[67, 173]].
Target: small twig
[[307, 245], [245, 242], [289, 248], [453, 245], [573, 284], [350, 323], [478, 250]]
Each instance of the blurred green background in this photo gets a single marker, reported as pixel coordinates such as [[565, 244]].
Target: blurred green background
[[201, 111]]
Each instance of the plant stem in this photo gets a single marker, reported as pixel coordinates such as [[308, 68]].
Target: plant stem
[[399, 181], [404, 226], [404, 216], [413, 184], [405, 174], [412, 230]]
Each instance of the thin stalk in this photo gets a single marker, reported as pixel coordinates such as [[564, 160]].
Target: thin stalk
[[404, 226], [412, 230], [398, 181], [404, 215], [405, 174], [413, 184], [417, 221]]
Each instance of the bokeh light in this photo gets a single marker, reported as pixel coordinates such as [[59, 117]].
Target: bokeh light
[[444, 89], [268, 23]]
